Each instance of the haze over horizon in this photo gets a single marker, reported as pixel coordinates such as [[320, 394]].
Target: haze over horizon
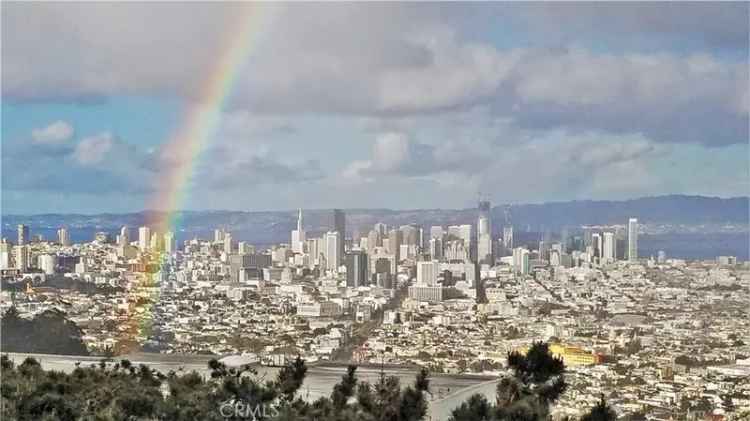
[[520, 102]]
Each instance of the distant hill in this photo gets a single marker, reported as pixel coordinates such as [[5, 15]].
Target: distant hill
[[274, 226]]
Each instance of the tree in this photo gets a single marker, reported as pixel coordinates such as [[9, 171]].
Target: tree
[[600, 412], [526, 395]]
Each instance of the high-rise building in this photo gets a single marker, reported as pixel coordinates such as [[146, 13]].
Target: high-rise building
[[596, 242], [169, 242], [381, 228], [22, 258], [427, 272], [5, 252], [23, 234], [144, 238], [633, 239], [124, 237], [508, 237], [63, 237], [298, 236], [338, 224], [609, 253], [521, 260], [332, 248], [394, 243], [485, 252], [436, 248], [219, 235], [245, 248], [356, 269], [228, 245], [47, 263]]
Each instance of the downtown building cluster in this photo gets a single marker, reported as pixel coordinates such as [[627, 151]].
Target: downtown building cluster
[[656, 335]]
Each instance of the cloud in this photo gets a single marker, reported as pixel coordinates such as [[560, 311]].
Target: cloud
[[56, 132], [92, 150], [318, 59]]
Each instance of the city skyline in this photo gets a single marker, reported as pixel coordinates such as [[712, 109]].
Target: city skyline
[[460, 104]]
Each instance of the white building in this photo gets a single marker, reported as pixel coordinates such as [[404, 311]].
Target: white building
[[633, 239], [427, 272], [609, 253], [144, 238]]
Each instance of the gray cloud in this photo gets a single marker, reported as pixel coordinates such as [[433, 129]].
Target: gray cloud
[[394, 60]]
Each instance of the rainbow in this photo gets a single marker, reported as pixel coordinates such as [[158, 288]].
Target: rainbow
[[183, 150]]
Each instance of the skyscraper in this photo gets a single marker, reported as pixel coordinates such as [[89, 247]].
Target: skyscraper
[[63, 237], [338, 224], [169, 243], [124, 237], [356, 269], [609, 253], [228, 245], [484, 234], [633, 239], [23, 234], [333, 258], [144, 238], [298, 236]]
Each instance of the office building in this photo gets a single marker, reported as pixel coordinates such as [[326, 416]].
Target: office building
[[298, 236], [521, 261], [338, 224], [332, 249], [63, 237], [427, 273], [228, 245], [485, 252], [169, 242], [609, 252], [144, 238], [47, 263], [633, 239], [23, 234], [356, 269]]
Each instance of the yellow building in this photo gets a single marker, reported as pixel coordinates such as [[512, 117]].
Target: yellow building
[[571, 355]]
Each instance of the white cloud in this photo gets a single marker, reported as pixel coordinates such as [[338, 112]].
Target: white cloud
[[92, 150], [57, 132]]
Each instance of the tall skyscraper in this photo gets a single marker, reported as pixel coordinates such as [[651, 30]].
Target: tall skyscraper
[[124, 237], [63, 237], [521, 260], [23, 234], [338, 224], [228, 245], [298, 236], [485, 253], [169, 243], [633, 239], [596, 242], [332, 247], [609, 254], [356, 269], [144, 238]]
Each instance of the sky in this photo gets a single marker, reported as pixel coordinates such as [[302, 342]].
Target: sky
[[378, 105]]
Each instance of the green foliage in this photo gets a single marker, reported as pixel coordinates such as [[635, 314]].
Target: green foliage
[[47, 333], [526, 395], [120, 391], [600, 412]]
